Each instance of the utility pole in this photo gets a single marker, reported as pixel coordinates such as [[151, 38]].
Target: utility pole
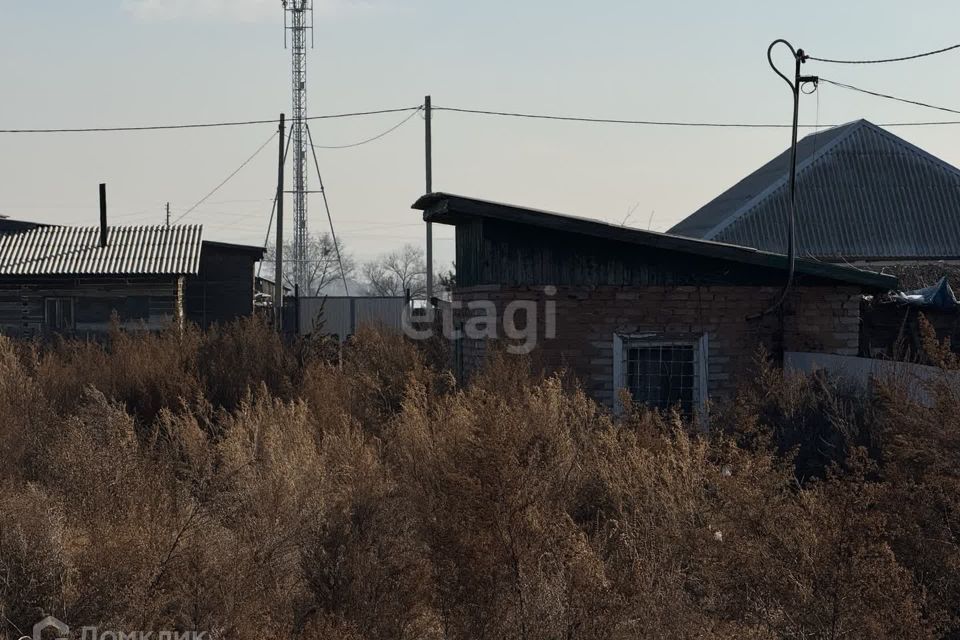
[[168, 215], [428, 113], [278, 273], [799, 58]]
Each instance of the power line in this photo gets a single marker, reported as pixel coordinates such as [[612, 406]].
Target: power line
[[205, 125], [374, 138], [669, 123], [887, 96], [226, 180], [885, 60], [661, 123]]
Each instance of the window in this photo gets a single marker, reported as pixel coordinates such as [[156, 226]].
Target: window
[[58, 314], [136, 308], [662, 374]]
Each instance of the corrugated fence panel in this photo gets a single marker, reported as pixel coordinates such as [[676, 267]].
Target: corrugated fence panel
[[342, 316]]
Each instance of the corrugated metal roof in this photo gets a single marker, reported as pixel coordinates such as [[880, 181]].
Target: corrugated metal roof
[[862, 193], [153, 250]]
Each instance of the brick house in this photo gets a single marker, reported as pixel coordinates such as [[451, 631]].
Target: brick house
[[865, 197], [671, 319]]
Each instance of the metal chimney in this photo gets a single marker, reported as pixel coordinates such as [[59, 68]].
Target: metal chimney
[[103, 215]]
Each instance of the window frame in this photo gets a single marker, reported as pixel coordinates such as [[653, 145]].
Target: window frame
[[623, 342], [59, 303]]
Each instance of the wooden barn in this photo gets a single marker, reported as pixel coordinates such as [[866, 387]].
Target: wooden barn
[[74, 280], [673, 320]]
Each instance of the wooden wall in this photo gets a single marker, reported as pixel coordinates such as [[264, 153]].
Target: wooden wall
[[497, 252], [223, 289], [139, 302]]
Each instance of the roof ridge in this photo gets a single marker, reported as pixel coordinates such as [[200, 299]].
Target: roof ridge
[[781, 182], [909, 146]]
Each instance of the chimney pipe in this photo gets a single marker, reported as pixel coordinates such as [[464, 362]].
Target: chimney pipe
[[103, 215]]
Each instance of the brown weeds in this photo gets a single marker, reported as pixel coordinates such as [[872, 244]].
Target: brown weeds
[[228, 483]]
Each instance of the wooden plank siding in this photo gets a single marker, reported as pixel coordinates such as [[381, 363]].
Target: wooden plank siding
[[151, 302], [497, 252]]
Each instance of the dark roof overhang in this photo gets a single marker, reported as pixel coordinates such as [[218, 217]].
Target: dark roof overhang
[[444, 208]]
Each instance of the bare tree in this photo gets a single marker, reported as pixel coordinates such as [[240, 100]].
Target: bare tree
[[446, 282], [322, 265], [395, 273]]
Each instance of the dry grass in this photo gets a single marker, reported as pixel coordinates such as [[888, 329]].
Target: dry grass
[[227, 483]]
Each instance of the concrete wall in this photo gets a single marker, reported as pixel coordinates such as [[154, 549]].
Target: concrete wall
[[820, 319], [916, 380]]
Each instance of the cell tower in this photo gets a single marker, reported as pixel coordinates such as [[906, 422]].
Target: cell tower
[[298, 20]]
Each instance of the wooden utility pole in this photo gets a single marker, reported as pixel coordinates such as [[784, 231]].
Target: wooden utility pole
[[278, 273], [428, 112], [168, 215]]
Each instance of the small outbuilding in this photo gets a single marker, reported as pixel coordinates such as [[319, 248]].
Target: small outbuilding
[[75, 280], [672, 320]]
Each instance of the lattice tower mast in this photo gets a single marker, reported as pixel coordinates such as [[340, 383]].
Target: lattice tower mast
[[298, 20]]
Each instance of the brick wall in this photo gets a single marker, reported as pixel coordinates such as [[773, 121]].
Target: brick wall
[[819, 319]]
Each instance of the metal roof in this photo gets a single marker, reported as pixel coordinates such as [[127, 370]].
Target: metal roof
[[862, 193], [145, 250], [452, 209]]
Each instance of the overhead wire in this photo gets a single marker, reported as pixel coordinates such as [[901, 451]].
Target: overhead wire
[[671, 123], [206, 125], [418, 108], [886, 60], [888, 96], [226, 180], [662, 123], [374, 138]]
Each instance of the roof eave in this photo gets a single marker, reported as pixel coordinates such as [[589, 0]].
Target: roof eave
[[445, 208]]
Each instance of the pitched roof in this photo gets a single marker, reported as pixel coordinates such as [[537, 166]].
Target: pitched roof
[[149, 250], [451, 209], [862, 193]]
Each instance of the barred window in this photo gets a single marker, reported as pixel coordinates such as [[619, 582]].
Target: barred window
[[662, 374]]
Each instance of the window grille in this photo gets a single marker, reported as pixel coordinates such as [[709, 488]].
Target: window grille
[[662, 376]]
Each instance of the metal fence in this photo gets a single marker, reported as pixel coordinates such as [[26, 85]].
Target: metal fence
[[341, 316]]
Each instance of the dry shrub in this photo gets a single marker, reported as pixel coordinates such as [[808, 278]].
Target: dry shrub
[[247, 353], [378, 367], [145, 371], [33, 557], [814, 419], [257, 489]]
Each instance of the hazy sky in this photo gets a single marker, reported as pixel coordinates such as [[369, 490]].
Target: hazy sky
[[73, 63]]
